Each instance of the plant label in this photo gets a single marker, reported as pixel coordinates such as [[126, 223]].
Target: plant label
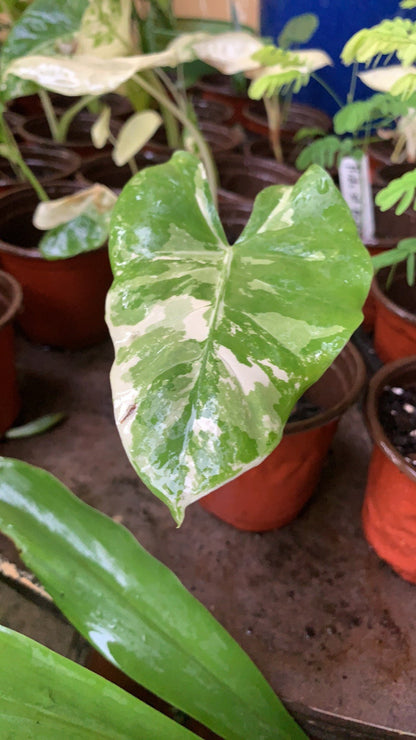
[[354, 181]]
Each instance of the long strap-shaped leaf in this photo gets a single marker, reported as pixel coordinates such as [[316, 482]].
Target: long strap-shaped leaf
[[134, 610], [44, 696], [214, 344]]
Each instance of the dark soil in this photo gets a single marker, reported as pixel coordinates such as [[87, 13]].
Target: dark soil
[[397, 412], [304, 409]]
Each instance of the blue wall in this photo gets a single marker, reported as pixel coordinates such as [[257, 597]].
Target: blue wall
[[338, 21]]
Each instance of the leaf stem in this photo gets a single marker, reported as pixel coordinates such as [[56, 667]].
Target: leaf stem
[[204, 152], [69, 115], [327, 89], [49, 114]]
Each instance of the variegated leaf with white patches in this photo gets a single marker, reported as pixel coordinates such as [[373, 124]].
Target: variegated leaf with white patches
[[105, 29], [134, 134], [215, 343]]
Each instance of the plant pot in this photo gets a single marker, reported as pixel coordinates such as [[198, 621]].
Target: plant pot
[[255, 119], [10, 302], [36, 131], [212, 110], [247, 176], [273, 493], [47, 165], [219, 88], [389, 509], [63, 299], [395, 325], [219, 137], [390, 229], [103, 170]]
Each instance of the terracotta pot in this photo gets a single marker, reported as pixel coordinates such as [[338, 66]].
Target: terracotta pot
[[395, 326], [273, 493], [219, 137], [212, 110], [47, 165], [247, 176], [63, 299], [10, 302], [102, 168], [300, 115], [36, 131], [219, 88], [389, 509], [390, 229]]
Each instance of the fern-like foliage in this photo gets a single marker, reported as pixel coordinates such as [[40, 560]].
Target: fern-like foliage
[[276, 83], [405, 88], [399, 192], [397, 36], [308, 132], [408, 4], [270, 56], [326, 151], [379, 110]]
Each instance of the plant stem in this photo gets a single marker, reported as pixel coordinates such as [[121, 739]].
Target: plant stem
[[272, 107], [27, 172], [327, 89], [49, 114], [169, 120], [18, 160], [203, 148], [354, 75], [69, 115]]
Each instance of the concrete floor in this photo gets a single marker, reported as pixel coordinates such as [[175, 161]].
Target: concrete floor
[[330, 626]]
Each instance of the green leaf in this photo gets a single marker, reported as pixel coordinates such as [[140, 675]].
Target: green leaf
[[84, 233], [308, 132], [214, 344], [326, 152], [380, 109], [298, 30], [38, 426], [41, 29], [273, 83], [44, 696], [407, 4], [134, 610], [397, 36], [399, 192]]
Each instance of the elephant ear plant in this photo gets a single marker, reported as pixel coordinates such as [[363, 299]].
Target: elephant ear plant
[[215, 343]]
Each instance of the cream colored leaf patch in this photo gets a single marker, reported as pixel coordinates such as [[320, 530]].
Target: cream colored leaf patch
[[56, 212], [229, 52], [100, 131], [384, 78], [81, 75], [106, 29], [135, 133]]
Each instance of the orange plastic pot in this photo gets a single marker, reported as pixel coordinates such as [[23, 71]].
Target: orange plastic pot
[[395, 324], [389, 508], [63, 300], [10, 302], [273, 493]]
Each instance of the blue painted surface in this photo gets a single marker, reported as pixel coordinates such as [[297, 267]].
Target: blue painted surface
[[338, 21]]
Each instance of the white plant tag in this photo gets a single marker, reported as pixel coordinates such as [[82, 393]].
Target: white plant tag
[[354, 182]]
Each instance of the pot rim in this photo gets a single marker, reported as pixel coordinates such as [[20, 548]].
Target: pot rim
[[379, 295], [16, 301], [336, 410], [380, 379], [33, 252]]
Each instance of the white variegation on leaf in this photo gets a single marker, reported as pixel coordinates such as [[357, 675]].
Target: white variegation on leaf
[[215, 343], [384, 79], [106, 29], [53, 213], [100, 130], [229, 52], [135, 133]]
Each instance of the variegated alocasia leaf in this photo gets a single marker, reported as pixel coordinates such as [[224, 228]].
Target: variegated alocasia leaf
[[215, 343], [105, 29], [45, 27], [76, 223]]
